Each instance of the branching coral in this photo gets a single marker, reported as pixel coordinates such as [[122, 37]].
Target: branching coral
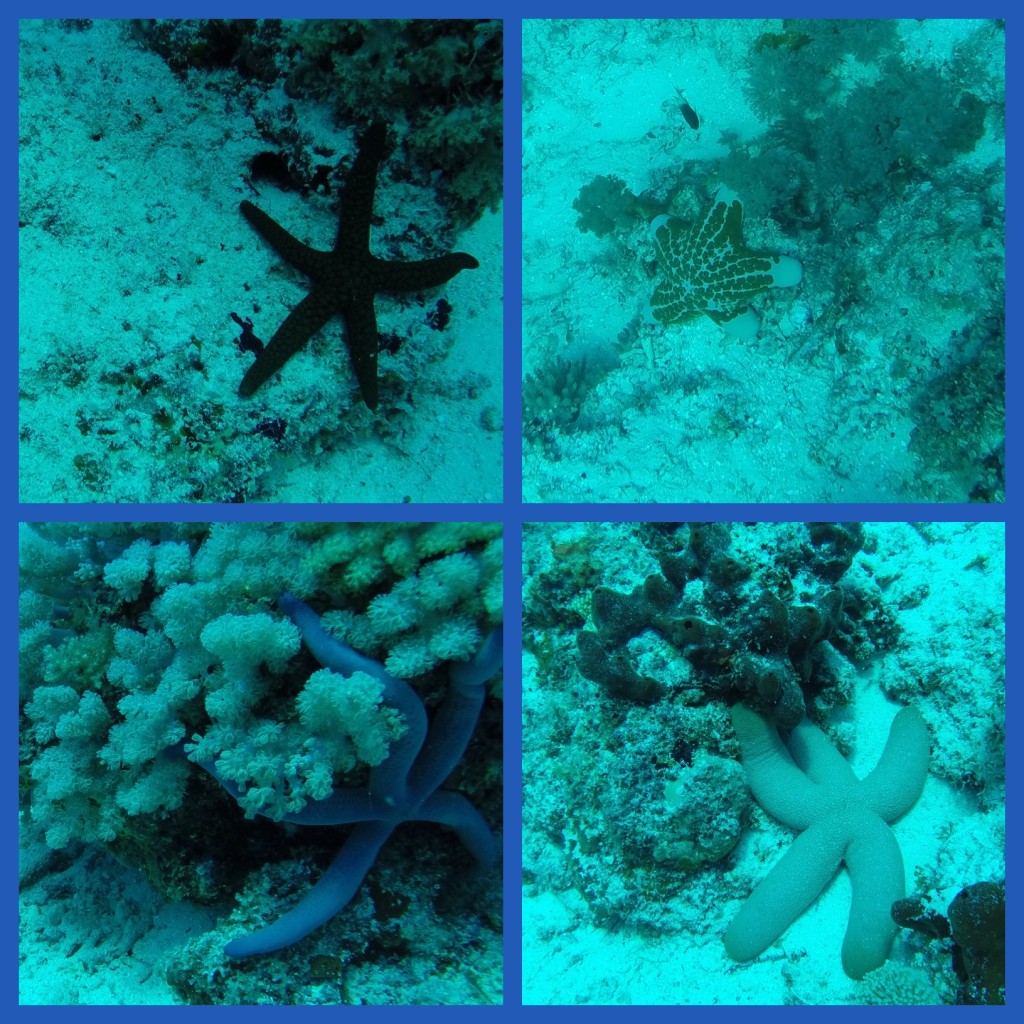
[[139, 637], [404, 784]]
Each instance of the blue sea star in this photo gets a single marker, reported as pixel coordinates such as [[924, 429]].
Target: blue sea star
[[404, 787], [809, 786]]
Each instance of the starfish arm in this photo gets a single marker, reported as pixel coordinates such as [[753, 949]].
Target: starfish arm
[[342, 807], [363, 344], [329, 651], [360, 185], [877, 880], [778, 785], [452, 809], [455, 720], [898, 779], [303, 257], [788, 889], [416, 274], [299, 326], [331, 894], [815, 755]]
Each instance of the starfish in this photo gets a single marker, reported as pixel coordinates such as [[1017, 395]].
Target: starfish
[[810, 787], [706, 269], [405, 786], [346, 279]]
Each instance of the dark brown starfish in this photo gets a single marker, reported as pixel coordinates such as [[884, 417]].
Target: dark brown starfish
[[345, 280]]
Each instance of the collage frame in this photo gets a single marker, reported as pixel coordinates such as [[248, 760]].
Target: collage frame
[[512, 510]]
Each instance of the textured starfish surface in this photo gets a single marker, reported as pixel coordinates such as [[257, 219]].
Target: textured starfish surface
[[842, 819], [706, 269], [346, 279], [405, 786]]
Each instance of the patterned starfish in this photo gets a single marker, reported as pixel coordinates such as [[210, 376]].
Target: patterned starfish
[[345, 280], [707, 269]]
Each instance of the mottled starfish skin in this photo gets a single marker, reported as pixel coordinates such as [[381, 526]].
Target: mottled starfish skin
[[706, 269], [346, 279]]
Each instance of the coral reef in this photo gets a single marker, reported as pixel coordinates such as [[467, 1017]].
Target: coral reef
[[442, 77], [759, 629], [135, 638], [641, 840], [404, 783]]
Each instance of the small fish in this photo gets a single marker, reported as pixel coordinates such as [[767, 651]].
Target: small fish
[[687, 111]]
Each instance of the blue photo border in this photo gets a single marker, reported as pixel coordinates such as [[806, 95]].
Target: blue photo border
[[511, 511]]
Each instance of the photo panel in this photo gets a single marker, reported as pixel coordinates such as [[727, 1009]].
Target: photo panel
[[763, 260], [763, 763], [260, 260], [261, 763]]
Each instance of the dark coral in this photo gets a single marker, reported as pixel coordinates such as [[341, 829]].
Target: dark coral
[[977, 917], [759, 629], [835, 545], [441, 78], [605, 205], [977, 921]]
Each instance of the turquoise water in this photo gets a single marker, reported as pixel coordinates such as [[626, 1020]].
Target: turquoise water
[[872, 154], [641, 841]]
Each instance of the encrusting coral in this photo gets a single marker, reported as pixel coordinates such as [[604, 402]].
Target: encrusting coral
[[706, 268], [809, 786], [760, 627]]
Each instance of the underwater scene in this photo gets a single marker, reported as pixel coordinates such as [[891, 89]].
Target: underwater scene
[[260, 260], [763, 261], [763, 763], [193, 697]]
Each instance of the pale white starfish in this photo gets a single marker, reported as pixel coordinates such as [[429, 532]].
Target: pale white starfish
[[842, 819]]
